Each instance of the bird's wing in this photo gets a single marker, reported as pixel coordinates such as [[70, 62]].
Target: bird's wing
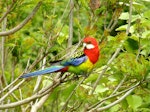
[[74, 61]]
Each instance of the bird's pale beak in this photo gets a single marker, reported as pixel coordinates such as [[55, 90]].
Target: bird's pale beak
[[84, 45]]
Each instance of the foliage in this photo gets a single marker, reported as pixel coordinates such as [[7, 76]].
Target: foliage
[[46, 35]]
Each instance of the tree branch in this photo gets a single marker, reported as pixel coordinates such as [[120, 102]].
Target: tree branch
[[21, 25], [4, 25], [39, 104], [116, 102], [14, 88], [96, 105], [66, 103], [8, 11], [41, 93], [130, 17], [71, 23]]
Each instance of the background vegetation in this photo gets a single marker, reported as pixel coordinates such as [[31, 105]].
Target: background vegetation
[[34, 33]]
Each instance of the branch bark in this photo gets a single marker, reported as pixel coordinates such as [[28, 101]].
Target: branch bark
[[39, 104], [130, 17], [3, 78], [23, 23], [14, 88], [8, 11], [66, 103], [116, 102], [98, 104], [40, 94], [71, 23]]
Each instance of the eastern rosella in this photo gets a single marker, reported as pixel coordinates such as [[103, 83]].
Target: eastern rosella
[[78, 65]]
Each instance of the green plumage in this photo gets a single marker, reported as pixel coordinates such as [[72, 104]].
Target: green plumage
[[82, 68]]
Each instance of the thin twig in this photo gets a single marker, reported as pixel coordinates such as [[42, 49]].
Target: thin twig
[[8, 86], [130, 17], [119, 85], [71, 23], [8, 11], [116, 89], [4, 25], [39, 79], [71, 94], [9, 92], [41, 93], [39, 104], [116, 102], [96, 105], [15, 81], [23, 23]]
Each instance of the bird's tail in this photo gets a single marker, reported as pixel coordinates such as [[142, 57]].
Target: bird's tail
[[45, 71]]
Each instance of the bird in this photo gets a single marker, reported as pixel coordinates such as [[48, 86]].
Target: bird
[[79, 65]]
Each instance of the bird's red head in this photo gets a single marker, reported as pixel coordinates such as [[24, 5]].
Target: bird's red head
[[91, 49]]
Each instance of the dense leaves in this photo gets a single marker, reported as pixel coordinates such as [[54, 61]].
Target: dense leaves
[[124, 63]]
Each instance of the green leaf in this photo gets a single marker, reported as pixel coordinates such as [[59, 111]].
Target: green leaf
[[131, 45], [124, 28], [46, 82], [112, 78], [124, 104], [146, 34], [145, 105], [138, 6], [10, 45], [134, 101], [146, 100], [101, 89], [63, 35], [86, 87], [148, 77], [61, 39], [124, 16], [147, 14], [114, 108], [144, 110], [91, 78], [67, 89], [100, 10], [28, 42]]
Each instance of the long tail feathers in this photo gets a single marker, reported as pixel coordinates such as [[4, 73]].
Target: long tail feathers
[[45, 71]]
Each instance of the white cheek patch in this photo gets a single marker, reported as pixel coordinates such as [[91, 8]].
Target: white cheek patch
[[90, 46]]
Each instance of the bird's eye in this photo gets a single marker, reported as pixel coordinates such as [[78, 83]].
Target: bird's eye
[[89, 42]]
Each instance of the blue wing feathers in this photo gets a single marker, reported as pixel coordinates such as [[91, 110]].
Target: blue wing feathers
[[41, 72], [74, 61]]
